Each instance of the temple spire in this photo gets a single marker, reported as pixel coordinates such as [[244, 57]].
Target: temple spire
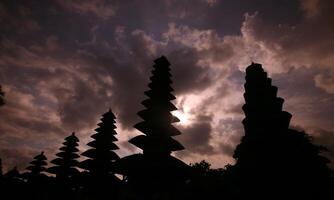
[[157, 118], [101, 155], [155, 172], [38, 165], [271, 153], [66, 162]]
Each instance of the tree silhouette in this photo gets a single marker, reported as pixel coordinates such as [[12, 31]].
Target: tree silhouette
[[37, 166], [155, 168], [206, 182], [271, 158], [66, 163]]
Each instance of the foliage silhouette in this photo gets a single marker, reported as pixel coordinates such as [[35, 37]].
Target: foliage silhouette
[[271, 158], [155, 173], [206, 183]]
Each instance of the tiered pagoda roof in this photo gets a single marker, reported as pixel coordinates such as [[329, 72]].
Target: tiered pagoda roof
[[157, 118], [101, 156]]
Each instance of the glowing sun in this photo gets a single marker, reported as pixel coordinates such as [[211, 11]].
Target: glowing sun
[[184, 119]]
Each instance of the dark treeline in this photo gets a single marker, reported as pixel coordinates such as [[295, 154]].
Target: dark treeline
[[273, 161]]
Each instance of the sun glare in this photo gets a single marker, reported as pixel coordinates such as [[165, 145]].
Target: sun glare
[[184, 120]]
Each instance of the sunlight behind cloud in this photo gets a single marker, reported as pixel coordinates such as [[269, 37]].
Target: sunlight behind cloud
[[183, 117]]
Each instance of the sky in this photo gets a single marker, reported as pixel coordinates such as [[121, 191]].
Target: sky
[[63, 63]]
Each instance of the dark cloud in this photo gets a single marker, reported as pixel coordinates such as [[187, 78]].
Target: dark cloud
[[307, 43], [14, 158], [127, 90], [64, 63], [19, 18], [231, 131], [310, 105], [196, 137], [188, 75], [100, 8]]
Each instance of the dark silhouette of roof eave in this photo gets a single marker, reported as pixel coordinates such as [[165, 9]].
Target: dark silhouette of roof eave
[[159, 143], [141, 165]]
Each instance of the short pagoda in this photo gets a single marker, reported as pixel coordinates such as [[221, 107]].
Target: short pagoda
[[101, 155], [37, 166], [272, 158], [66, 162], [155, 166]]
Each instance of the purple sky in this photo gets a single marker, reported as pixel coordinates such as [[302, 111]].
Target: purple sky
[[63, 63]]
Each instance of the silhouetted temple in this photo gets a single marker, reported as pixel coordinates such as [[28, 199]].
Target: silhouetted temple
[[273, 161], [155, 169], [101, 155], [66, 163], [100, 180], [37, 165], [271, 158]]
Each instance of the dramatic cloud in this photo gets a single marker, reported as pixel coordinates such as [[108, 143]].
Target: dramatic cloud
[[64, 63], [196, 137], [99, 8]]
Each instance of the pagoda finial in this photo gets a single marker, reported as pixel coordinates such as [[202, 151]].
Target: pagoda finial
[[162, 60]]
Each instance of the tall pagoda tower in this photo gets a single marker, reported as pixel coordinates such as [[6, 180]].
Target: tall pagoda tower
[[157, 118], [272, 158], [155, 166]]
